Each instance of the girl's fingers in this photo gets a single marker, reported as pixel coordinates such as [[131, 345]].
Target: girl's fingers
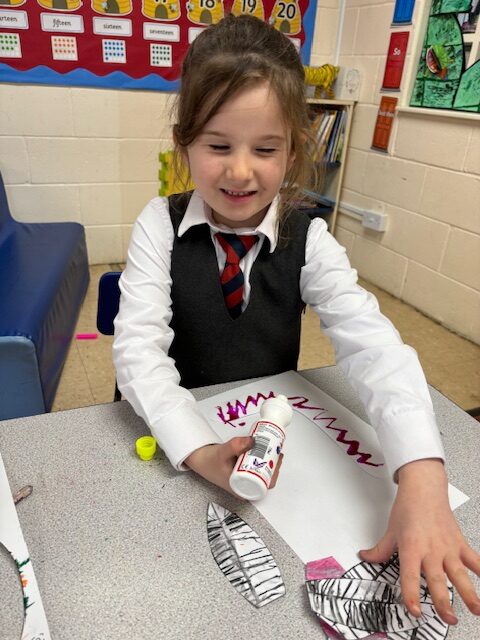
[[276, 472], [382, 551], [459, 577], [410, 582], [471, 559], [236, 446], [437, 585]]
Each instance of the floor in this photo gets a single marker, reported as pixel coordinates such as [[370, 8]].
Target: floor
[[451, 363]]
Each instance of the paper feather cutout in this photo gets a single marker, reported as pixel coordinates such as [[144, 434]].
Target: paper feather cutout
[[243, 557], [367, 599], [35, 625], [363, 604], [328, 568]]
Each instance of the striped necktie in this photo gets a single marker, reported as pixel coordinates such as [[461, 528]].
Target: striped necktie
[[235, 247]]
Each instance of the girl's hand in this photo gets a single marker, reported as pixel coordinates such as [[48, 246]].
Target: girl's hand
[[423, 529], [215, 462]]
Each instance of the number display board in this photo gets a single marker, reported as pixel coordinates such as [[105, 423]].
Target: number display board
[[132, 44]]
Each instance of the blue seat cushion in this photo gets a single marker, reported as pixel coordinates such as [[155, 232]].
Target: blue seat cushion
[[44, 278], [20, 385]]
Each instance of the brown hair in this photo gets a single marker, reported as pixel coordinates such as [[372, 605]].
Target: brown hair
[[234, 54]]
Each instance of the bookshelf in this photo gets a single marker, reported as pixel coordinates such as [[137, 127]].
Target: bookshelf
[[331, 123]]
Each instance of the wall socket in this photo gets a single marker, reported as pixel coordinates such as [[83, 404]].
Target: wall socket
[[376, 220]]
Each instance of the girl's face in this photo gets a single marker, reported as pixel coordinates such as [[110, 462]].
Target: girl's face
[[239, 160]]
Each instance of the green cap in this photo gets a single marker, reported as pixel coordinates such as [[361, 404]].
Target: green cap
[[146, 447]]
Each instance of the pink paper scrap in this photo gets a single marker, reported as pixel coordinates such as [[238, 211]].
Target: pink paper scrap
[[86, 336], [323, 569]]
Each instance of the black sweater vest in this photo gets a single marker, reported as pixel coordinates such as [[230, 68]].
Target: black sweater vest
[[209, 346]]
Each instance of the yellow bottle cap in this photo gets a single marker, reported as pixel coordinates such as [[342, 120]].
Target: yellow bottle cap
[[146, 447]]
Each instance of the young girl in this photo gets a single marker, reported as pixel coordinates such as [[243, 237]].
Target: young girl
[[198, 307]]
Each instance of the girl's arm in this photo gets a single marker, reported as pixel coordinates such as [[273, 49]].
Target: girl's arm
[[146, 375], [389, 380], [384, 371], [423, 529]]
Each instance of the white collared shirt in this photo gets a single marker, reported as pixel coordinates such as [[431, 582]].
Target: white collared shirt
[[198, 212], [385, 373]]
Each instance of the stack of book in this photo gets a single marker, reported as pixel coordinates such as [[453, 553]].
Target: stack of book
[[329, 129]]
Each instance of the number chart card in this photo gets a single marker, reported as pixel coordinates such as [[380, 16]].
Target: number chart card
[[131, 44]]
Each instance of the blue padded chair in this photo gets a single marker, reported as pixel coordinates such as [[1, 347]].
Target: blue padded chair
[[107, 309], [43, 280]]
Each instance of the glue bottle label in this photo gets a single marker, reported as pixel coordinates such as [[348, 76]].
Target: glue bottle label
[[262, 458]]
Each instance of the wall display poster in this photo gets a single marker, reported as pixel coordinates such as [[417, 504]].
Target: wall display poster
[[403, 11], [443, 79], [397, 51], [383, 125], [124, 43]]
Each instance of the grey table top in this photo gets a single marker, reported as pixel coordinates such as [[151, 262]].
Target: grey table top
[[119, 546]]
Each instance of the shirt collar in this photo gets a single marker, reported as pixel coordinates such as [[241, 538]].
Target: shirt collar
[[198, 212]]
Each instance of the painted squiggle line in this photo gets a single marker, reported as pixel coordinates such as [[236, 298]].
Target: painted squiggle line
[[237, 409], [301, 403], [353, 446]]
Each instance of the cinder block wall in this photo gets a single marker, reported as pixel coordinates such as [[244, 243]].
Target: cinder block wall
[[91, 155]]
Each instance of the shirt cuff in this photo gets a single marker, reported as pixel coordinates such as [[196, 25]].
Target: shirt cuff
[[408, 437], [181, 432]]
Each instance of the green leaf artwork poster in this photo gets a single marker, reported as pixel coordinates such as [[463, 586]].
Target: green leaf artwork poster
[[442, 81]]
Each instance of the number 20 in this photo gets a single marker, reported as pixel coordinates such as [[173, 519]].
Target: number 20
[[287, 9]]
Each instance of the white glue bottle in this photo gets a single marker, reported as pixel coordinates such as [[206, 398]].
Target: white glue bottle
[[254, 469]]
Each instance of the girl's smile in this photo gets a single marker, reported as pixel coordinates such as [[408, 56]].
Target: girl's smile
[[239, 161], [238, 196]]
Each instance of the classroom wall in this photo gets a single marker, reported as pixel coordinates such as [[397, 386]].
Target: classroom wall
[[91, 155], [87, 155], [429, 184]]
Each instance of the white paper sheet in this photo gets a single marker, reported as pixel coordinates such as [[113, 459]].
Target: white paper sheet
[[334, 494], [35, 625]]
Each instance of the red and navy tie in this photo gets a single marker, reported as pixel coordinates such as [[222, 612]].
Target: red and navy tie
[[236, 247]]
